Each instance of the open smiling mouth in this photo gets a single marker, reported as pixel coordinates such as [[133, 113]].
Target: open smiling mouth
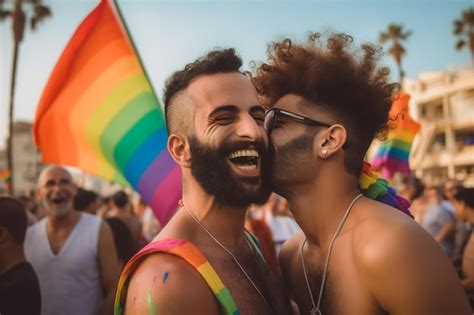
[[246, 160], [58, 200]]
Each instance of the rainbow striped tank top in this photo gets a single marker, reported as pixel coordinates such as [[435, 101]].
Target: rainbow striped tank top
[[193, 256]]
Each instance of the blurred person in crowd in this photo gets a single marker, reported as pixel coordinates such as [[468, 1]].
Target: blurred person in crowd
[[72, 252], [122, 209], [28, 204], [451, 188], [439, 219], [204, 256], [105, 207], [280, 220], [412, 189], [86, 201], [463, 201], [19, 287], [356, 255], [256, 224], [150, 225], [462, 228], [123, 240]]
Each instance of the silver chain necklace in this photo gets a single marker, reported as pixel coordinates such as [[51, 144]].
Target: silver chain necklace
[[316, 310], [231, 255]]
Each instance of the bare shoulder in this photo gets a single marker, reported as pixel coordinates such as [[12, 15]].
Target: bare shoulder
[[105, 235], [166, 284], [391, 248], [383, 233]]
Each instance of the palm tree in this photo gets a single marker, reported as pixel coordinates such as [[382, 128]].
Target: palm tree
[[35, 12], [396, 34], [464, 30]]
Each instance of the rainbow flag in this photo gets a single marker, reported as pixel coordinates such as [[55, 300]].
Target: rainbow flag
[[377, 188], [99, 112], [392, 155]]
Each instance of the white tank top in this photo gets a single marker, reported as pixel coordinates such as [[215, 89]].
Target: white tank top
[[69, 281]]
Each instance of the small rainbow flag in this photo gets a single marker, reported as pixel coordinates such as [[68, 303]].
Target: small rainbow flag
[[392, 155], [99, 112], [5, 175]]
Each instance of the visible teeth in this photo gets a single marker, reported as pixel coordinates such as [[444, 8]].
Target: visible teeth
[[244, 153], [247, 167]]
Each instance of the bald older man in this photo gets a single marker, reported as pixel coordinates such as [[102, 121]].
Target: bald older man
[[72, 252]]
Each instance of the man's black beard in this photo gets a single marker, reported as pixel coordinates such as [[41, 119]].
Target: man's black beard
[[213, 172], [288, 158]]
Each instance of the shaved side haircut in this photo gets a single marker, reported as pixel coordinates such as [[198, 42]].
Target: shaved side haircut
[[179, 105]]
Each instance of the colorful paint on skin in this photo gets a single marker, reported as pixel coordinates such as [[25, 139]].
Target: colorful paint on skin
[[192, 256], [151, 304], [165, 276]]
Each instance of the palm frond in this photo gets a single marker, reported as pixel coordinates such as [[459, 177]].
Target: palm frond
[[460, 44], [468, 17], [40, 13], [406, 34], [458, 27], [33, 22], [5, 14], [383, 37]]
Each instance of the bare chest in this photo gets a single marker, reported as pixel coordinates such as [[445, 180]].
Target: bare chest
[[344, 291], [254, 288], [57, 239]]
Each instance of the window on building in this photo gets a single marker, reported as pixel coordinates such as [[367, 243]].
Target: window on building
[[438, 144], [464, 138]]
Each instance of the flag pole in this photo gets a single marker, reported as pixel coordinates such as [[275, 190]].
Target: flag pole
[[129, 36]]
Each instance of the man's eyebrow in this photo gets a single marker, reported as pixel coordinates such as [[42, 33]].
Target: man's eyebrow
[[225, 108], [257, 109]]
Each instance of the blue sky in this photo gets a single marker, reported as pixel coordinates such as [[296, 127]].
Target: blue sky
[[169, 34]]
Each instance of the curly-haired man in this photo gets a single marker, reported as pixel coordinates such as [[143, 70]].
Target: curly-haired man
[[355, 255]]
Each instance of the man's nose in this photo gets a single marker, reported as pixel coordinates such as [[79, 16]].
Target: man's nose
[[247, 128]]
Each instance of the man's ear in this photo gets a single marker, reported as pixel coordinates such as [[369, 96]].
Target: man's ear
[[178, 147], [330, 141]]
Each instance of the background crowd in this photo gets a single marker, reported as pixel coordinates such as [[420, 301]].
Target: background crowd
[[447, 213]]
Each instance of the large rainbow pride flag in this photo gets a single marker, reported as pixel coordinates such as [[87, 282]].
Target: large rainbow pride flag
[[99, 112], [393, 154]]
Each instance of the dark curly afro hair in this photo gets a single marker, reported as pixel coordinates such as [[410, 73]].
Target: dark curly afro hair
[[345, 82]]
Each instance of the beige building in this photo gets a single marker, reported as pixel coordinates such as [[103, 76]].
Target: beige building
[[26, 161], [443, 102]]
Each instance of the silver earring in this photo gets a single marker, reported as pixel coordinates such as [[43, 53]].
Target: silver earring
[[324, 152]]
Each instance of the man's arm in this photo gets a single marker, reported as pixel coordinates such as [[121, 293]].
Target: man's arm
[[109, 268], [446, 230], [408, 273], [166, 284]]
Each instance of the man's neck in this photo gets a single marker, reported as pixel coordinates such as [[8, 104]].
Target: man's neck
[[67, 221], [120, 211], [318, 206], [14, 256], [225, 223]]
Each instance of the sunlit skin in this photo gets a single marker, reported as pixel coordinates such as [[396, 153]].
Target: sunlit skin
[[226, 109], [382, 262]]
